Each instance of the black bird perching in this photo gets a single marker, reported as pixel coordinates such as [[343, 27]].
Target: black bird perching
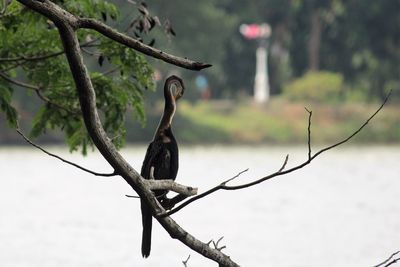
[[162, 156]]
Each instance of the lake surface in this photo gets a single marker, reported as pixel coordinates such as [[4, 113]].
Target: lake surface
[[342, 210]]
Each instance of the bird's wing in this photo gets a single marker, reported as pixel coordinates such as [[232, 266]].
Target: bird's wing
[[159, 157]]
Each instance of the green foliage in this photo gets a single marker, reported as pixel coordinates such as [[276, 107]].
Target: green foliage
[[316, 86], [5, 105], [29, 52]]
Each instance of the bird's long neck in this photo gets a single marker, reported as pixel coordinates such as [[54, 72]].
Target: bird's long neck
[[169, 111]]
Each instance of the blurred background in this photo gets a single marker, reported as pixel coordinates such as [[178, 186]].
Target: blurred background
[[338, 58]]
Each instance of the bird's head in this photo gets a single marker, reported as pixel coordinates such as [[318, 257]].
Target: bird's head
[[174, 87]]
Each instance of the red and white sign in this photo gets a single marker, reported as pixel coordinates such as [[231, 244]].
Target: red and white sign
[[255, 31]]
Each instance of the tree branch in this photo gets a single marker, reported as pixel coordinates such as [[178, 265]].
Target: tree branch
[[42, 57], [38, 91], [32, 58], [172, 186], [21, 84], [67, 24], [309, 132], [60, 16], [60, 158], [126, 40], [389, 261], [210, 191], [281, 171], [186, 261]]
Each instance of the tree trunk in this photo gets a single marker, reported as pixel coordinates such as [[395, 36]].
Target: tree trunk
[[314, 42]]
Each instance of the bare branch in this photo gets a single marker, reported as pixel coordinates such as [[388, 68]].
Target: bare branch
[[281, 171], [216, 244], [186, 261], [132, 196], [137, 45], [171, 186], [389, 261], [284, 163], [356, 132], [309, 132], [234, 177], [210, 191], [63, 160]]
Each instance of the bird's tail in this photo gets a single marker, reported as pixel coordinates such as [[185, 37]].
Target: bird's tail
[[147, 225]]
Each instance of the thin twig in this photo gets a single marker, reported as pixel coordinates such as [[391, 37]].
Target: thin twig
[[42, 57], [234, 177], [110, 71], [216, 244], [284, 163], [309, 132], [38, 90], [33, 58], [12, 67], [186, 261], [21, 84], [132, 196], [190, 200], [281, 171], [90, 52], [64, 160], [387, 261]]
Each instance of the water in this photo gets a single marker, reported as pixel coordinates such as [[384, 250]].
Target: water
[[342, 210]]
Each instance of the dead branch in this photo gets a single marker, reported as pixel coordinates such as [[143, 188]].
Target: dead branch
[[171, 186], [216, 244], [63, 160], [309, 132], [389, 261], [212, 190], [281, 171], [185, 262]]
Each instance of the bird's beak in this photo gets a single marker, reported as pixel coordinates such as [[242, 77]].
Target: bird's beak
[[178, 92]]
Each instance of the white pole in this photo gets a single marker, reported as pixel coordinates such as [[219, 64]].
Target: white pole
[[261, 83]]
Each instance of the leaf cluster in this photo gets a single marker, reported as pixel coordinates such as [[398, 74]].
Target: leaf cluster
[[31, 54]]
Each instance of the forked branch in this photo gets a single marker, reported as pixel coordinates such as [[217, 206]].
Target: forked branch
[[281, 171], [389, 261], [62, 159]]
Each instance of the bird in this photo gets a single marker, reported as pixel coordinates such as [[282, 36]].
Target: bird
[[162, 156]]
